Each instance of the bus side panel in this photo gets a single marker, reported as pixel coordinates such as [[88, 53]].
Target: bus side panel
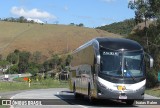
[[82, 63]]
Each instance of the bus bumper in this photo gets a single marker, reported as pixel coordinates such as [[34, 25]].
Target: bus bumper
[[104, 93]]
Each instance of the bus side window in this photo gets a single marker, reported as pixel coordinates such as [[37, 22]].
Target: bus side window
[[78, 71]]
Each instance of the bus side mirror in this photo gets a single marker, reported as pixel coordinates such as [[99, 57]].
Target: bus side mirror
[[150, 60], [98, 59]]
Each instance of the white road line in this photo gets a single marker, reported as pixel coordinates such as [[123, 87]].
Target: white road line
[[82, 106], [57, 93]]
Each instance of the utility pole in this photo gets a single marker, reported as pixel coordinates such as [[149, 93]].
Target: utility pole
[[67, 43]]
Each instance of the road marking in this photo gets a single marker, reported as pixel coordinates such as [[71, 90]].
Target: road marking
[[82, 106]]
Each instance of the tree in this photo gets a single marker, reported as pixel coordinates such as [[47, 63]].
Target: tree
[[81, 25], [154, 5], [142, 10], [145, 9], [45, 66], [152, 48], [36, 57], [16, 51], [68, 60], [4, 63], [32, 21], [13, 69], [122, 28], [56, 60], [22, 19], [23, 61], [72, 24], [12, 58], [33, 68], [148, 37], [1, 57]]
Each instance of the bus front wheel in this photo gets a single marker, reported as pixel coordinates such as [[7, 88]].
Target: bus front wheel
[[129, 102], [91, 99]]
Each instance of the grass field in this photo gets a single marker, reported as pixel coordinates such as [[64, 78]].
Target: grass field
[[2, 106], [153, 92], [23, 85], [47, 38]]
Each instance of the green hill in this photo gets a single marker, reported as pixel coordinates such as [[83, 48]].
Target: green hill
[[47, 38], [123, 28]]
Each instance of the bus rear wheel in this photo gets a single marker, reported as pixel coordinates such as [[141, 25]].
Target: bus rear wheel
[[76, 95]]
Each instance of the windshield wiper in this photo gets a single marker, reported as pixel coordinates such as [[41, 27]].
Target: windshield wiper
[[132, 76], [129, 73]]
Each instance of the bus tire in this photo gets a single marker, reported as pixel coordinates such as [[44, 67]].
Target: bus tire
[[76, 95], [90, 98], [129, 102]]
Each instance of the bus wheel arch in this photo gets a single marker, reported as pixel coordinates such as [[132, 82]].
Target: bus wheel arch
[[74, 90], [90, 97], [76, 95]]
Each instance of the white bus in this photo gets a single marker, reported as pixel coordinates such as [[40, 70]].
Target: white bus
[[109, 68]]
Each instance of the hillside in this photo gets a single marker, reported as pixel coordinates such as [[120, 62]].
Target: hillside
[[46, 38], [122, 28]]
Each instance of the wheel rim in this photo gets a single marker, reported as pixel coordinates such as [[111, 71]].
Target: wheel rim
[[74, 90]]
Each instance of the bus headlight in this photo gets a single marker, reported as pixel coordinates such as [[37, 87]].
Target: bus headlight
[[142, 88], [119, 87]]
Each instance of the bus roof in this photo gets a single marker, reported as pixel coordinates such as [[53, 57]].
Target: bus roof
[[119, 43], [113, 44]]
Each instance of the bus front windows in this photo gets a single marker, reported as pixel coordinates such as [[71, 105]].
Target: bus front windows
[[133, 64], [126, 64], [111, 63]]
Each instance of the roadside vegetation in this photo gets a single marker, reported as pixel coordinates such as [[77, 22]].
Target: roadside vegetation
[[123, 28], [19, 62], [24, 85], [2, 106], [45, 74], [148, 36], [154, 92]]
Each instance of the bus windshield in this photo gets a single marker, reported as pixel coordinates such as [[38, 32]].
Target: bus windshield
[[126, 64]]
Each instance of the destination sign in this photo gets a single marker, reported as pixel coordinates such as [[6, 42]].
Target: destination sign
[[110, 53]]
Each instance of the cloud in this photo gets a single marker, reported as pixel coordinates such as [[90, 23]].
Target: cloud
[[103, 24], [66, 8], [33, 13], [35, 20]]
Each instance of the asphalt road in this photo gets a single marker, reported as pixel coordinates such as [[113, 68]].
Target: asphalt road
[[60, 98]]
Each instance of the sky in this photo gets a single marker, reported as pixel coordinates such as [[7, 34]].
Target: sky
[[92, 13]]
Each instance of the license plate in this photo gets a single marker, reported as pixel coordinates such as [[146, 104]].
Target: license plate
[[122, 97]]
